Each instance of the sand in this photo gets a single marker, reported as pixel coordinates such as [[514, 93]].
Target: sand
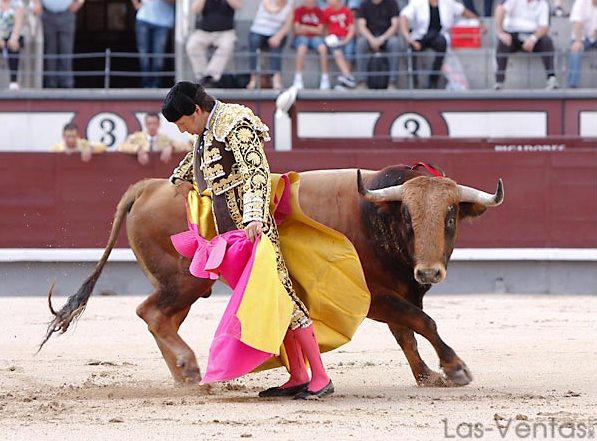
[[533, 359]]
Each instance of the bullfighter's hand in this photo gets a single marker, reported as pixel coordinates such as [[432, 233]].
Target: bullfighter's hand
[[253, 230], [183, 187]]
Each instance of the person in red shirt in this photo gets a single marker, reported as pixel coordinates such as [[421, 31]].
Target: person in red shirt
[[308, 31], [339, 22]]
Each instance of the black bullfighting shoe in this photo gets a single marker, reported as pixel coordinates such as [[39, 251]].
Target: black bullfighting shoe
[[278, 391], [308, 395]]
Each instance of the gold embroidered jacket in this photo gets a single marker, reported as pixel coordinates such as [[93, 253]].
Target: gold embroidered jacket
[[230, 156]]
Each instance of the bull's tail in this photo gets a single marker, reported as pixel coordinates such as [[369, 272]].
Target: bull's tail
[[75, 305]]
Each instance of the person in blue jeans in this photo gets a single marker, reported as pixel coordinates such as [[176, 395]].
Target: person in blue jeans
[[155, 19], [584, 37], [269, 31]]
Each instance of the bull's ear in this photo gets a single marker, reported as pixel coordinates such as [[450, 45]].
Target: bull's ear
[[468, 209]]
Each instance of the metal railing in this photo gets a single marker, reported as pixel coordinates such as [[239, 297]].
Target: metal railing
[[475, 67]]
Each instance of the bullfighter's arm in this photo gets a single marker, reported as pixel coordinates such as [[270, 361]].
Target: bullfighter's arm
[[184, 171], [247, 146]]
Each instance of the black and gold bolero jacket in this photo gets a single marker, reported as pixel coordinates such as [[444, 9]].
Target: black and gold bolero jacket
[[230, 156]]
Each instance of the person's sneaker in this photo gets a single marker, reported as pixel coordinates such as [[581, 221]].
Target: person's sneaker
[[325, 83], [347, 81], [552, 83], [498, 86], [13, 86], [298, 82]]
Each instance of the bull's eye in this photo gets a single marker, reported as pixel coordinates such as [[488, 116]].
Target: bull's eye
[[451, 222]]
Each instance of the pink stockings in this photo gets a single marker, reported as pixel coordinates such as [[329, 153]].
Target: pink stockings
[[301, 343]]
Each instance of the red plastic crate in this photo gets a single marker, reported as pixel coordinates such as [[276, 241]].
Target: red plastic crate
[[466, 37]]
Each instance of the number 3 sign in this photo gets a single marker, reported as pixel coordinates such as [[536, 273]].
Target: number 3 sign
[[107, 128], [410, 125]]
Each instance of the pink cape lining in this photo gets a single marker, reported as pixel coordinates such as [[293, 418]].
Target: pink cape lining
[[232, 256]]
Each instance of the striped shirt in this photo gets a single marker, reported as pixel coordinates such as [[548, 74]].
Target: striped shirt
[[266, 23]]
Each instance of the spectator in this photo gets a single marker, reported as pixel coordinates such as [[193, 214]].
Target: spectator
[[216, 29], [487, 7], [155, 18], [377, 24], [339, 21], [59, 22], [431, 21], [269, 30], [584, 36], [308, 31], [72, 143], [150, 140], [12, 16], [523, 25]]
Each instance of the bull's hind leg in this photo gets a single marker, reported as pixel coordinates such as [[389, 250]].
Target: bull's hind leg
[[423, 374], [399, 312], [164, 311]]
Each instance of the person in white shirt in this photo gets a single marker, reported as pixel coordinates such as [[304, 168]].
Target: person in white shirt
[[584, 36], [523, 25], [431, 21]]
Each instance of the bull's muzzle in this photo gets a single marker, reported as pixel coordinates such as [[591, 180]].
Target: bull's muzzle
[[430, 274]]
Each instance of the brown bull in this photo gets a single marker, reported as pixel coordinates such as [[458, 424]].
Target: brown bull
[[403, 229]]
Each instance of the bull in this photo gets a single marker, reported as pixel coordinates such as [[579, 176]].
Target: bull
[[402, 222]]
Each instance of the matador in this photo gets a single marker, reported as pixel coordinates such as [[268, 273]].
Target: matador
[[229, 160]]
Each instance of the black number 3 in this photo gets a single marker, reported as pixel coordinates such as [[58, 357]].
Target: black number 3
[[108, 126]]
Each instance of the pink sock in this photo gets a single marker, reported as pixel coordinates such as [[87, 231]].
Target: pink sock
[[296, 361], [308, 343]]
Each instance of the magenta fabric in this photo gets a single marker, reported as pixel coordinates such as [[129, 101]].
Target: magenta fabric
[[230, 255]]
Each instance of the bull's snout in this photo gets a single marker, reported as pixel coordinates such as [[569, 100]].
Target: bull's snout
[[431, 274]]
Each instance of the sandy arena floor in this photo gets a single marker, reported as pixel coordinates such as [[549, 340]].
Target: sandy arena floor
[[533, 358]]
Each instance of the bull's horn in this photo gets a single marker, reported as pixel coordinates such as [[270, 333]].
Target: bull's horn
[[469, 194], [387, 194]]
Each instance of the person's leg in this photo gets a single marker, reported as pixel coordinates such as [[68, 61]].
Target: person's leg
[[470, 5], [159, 45], [574, 65], [342, 62], [224, 42], [488, 8], [255, 42], [50, 31], [66, 47], [320, 381], [439, 45], [415, 54], [275, 64], [394, 50], [143, 33], [362, 59], [501, 54], [322, 50], [302, 48], [545, 47], [13, 62], [196, 49]]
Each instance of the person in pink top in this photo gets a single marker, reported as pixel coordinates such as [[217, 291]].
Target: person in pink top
[[308, 31], [339, 22]]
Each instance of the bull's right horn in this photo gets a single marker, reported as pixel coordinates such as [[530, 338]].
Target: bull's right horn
[[387, 194], [469, 194]]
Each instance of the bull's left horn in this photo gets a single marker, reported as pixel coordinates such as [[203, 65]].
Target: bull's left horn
[[387, 194], [469, 194]]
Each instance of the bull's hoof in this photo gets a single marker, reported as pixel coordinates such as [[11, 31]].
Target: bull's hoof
[[431, 379], [457, 376]]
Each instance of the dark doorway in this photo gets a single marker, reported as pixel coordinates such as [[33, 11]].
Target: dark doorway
[[109, 24]]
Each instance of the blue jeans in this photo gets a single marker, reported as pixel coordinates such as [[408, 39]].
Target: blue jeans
[[151, 45], [312, 42], [258, 41], [575, 62]]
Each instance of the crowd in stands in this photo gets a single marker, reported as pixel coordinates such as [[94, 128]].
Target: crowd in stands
[[363, 37]]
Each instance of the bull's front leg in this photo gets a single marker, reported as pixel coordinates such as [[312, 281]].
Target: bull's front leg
[[398, 312], [424, 376]]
